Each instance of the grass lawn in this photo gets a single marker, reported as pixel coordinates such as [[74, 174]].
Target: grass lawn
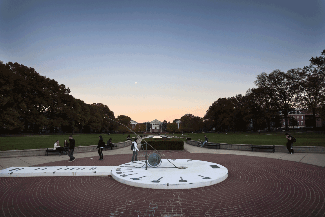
[[47, 141], [272, 138]]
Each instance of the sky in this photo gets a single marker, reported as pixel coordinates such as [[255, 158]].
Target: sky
[[160, 59]]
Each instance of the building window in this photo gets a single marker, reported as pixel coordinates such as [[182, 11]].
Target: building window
[[302, 117], [302, 122]]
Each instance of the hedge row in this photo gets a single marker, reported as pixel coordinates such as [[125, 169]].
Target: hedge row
[[164, 144]]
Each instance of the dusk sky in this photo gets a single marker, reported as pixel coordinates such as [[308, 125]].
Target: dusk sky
[[160, 59]]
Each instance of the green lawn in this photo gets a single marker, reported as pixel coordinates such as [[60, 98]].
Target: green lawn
[[273, 138], [47, 141]]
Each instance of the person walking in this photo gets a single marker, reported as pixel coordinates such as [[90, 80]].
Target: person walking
[[290, 141], [135, 150], [71, 148], [206, 140], [100, 146]]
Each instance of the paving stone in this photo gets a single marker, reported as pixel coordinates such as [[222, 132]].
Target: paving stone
[[255, 186]]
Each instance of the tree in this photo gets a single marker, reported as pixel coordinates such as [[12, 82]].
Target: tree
[[281, 89], [171, 127], [191, 123], [220, 113], [262, 111], [164, 126], [312, 95], [240, 115], [125, 123], [140, 128], [28, 96], [9, 107], [208, 125]]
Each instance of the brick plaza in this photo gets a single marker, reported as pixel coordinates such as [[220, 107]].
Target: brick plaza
[[256, 186]]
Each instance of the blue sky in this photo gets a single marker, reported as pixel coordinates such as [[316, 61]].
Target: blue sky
[[160, 59]]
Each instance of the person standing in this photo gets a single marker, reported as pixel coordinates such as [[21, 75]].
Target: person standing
[[135, 150], [71, 148], [290, 143], [100, 146]]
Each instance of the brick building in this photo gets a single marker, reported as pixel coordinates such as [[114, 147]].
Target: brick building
[[304, 120]]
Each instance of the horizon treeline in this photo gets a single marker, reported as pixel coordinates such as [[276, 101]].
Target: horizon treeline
[[31, 103]]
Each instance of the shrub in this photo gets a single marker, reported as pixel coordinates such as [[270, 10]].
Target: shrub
[[164, 144]]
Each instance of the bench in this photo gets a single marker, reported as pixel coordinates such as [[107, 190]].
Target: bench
[[264, 147], [50, 150], [109, 147], [212, 145]]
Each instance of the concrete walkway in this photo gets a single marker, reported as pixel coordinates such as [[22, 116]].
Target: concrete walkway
[[308, 158]]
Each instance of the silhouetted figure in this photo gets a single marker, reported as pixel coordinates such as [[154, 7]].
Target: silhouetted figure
[[71, 148], [290, 143], [100, 146]]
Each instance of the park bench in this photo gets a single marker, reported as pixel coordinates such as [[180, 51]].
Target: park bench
[[263, 147], [50, 150], [110, 147], [211, 145]]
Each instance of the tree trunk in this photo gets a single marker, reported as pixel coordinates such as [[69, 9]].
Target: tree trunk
[[286, 120], [314, 118]]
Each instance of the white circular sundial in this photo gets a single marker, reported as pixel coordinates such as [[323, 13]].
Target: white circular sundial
[[188, 174]]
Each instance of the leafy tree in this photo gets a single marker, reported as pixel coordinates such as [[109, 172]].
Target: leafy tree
[[28, 96], [220, 113], [262, 111], [125, 121], [280, 89], [106, 115], [312, 95], [164, 126], [140, 128], [191, 123], [240, 115], [171, 127], [83, 115], [96, 119], [9, 107], [208, 125]]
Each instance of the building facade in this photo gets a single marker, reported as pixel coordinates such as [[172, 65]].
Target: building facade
[[304, 120]]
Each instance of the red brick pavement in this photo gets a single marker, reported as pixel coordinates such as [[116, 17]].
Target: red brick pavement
[[255, 187]]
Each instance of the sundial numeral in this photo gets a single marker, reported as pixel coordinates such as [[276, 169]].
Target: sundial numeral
[[135, 178], [157, 181], [214, 166], [182, 180]]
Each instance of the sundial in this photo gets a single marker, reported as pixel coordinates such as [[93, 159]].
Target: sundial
[[187, 174]]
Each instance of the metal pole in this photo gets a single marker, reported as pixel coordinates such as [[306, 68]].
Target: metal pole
[[146, 156]]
